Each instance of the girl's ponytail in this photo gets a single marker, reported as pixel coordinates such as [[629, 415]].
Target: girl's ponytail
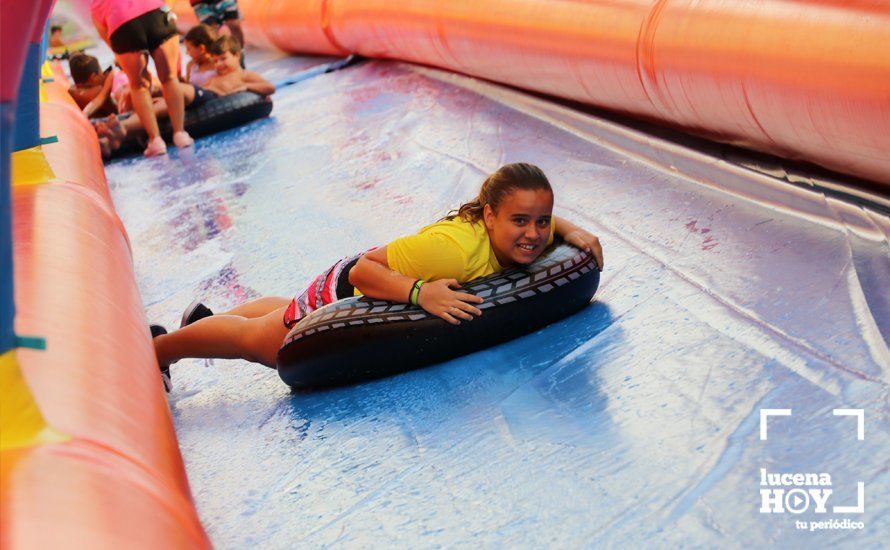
[[499, 185]]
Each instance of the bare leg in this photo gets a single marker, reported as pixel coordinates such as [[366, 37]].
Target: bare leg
[[159, 104], [135, 66], [259, 307], [234, 26], [131, 124], [166, 58], [226, 337]]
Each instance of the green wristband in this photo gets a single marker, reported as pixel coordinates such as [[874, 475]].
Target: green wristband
[[411, 292], [415, 291]]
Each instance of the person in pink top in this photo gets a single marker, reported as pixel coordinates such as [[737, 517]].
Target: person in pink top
[[131, 27]]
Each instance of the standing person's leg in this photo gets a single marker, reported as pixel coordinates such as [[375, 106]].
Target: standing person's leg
[[226, 337], [227, 11], [232, 18], [166, 58], [159, 104], [234, 26], [135, 66]]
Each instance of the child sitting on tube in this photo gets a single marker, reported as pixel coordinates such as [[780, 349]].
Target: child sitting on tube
[[510, 222], [230, 77], [92, 91], [92, 87], [198, 43]]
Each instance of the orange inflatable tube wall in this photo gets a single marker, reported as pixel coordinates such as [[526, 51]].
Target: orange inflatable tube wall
[[98, 466], [803, 79]]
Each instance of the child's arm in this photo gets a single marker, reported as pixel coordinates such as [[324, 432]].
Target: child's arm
[[101, 97], [78, 97], [257, 84], [188, 71], [372, 276], [580, 238]]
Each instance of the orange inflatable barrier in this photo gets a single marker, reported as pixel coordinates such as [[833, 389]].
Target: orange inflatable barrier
[[807, 80], [98, 466]]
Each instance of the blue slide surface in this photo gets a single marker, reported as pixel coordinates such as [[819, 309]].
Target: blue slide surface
[[634, 422]]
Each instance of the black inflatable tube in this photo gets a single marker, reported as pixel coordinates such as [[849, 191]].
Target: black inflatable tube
[[216, 115], [359, 339]]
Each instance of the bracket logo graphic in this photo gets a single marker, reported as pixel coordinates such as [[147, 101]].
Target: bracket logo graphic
[[797, 492]]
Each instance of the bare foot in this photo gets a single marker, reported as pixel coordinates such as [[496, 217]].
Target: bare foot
[[118, 132], [105, 147]]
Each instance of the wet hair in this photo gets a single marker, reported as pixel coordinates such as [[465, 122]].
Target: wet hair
[[225, 44], [201, 35], [82, 66], [498, 186]]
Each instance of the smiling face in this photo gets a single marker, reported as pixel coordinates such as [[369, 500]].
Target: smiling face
[[226, 62], [520, 226]]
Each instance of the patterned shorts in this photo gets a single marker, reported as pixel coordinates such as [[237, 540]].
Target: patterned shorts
[[327, 288], [214, 13]]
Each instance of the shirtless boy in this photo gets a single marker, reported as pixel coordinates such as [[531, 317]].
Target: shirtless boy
[[92, 88], [231, 78]]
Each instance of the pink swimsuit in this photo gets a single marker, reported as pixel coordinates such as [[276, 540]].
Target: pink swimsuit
[[199, 77]]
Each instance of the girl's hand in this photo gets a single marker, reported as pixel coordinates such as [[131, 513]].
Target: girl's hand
[[439, 298], [587, 242]]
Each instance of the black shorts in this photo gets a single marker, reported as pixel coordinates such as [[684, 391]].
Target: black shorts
[[344, 287], [146, 32], [201, 97]]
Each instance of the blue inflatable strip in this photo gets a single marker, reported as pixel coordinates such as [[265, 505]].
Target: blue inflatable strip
[[30, 342], [7, 303], [26, 131]]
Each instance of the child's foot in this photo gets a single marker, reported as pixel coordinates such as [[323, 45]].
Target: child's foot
[[156, 147], [157, 330], [183, 139], [116, 129], [105, 147], [194, 312], [101, 128]]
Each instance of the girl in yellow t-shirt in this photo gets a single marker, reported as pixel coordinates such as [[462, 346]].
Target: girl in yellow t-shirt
[[510, 222]]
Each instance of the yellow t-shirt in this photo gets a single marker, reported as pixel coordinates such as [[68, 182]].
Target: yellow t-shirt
[[450, 249]]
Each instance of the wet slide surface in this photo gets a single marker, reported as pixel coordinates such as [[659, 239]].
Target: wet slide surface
[[635, 421]]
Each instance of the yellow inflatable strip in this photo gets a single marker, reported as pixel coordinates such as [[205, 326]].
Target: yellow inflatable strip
[[71, 47], [21, 424], [30, 167]]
